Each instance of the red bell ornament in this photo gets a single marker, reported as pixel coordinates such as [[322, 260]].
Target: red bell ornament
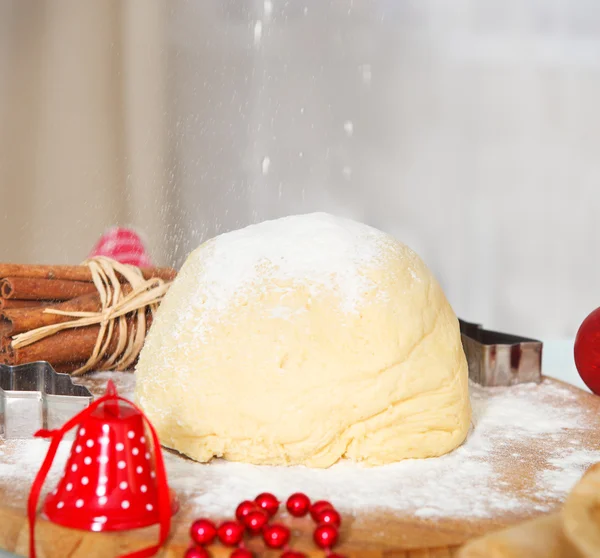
[[587, 351], [115, 477]]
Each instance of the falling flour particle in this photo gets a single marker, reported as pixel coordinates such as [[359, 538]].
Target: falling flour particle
[[268, 7], [470, 482], [349, 127], [258, 27], [366, 73], [266, 163]]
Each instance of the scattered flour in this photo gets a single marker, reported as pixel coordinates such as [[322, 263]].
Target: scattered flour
[[565, 469], [526, 428], [464, 483]]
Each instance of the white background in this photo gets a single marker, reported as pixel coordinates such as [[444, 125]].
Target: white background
[[468, 129]]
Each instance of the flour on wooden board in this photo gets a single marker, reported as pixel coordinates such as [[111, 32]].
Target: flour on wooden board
[[462, 484]]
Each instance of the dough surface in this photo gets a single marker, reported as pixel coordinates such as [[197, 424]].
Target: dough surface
[[302, 341]]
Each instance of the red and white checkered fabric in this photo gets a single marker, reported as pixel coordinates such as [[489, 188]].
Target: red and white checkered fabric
[[123, 245]]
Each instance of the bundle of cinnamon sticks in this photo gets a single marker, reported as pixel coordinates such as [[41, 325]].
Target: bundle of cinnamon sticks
[[27, 290]]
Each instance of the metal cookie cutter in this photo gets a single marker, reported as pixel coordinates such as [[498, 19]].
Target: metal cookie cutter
[[500, 359], [34, 396]]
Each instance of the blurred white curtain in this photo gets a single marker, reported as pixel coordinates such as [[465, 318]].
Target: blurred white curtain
[[82, 125], [469, 129]]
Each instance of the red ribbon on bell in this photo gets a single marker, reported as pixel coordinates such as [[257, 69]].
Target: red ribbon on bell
[[115, 477]]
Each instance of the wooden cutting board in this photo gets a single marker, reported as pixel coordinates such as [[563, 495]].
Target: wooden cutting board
[[373, 534]]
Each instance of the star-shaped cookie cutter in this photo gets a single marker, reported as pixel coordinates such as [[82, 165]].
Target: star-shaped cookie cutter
[[34, 396], [500, 359]]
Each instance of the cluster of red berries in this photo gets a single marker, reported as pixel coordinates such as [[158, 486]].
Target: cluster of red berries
[[253, 518]]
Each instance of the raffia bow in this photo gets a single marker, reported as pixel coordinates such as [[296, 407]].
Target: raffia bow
[[115, 306]]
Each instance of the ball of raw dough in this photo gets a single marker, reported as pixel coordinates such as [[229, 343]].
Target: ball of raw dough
[[302, 341]]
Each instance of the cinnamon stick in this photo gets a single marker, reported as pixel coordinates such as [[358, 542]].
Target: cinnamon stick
[[68, 346], [9, 303], [73, 272], [20, 320], [32, 288]]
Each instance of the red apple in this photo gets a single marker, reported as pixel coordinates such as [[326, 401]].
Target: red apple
[[587, 351]]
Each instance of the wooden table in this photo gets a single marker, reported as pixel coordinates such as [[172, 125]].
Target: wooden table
[[377, 534]]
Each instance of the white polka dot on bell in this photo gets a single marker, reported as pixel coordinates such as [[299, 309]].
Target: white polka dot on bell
[[73, 467], [131, 434], [69, 487], [139, 469], [120, 446], [121, 464], [101, 491], [102, 519], [84, 480], [149, 507], [147, 455], [125, 504], [90, 443], [79, 503], [102, 500], [60, 505], [103, 479], [105, 428], [143, 439], [153, 474], [82, 432], [103, 459], [123, 485], [135, 451], [144, 488], [78, 449], [104, 440]]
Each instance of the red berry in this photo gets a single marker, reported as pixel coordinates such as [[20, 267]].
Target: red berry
[[196, 552], [293, 554], [318, 507], [241, 553], [325, 536], [255, 521], [276, 535], [244, 509], [230, 533], [587, 351], [267, 502], [329, 517], [298, 504], [203, 531]]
